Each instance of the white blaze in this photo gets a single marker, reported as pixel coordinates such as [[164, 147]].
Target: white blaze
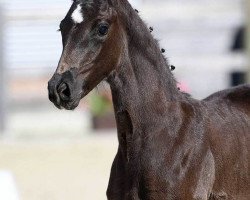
[[77, 15]]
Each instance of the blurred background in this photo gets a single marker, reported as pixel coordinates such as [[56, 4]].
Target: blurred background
[[47, 154]]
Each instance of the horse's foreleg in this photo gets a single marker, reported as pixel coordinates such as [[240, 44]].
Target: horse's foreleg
[[117, 183]]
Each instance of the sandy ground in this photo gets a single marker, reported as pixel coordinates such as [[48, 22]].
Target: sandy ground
[[65, 170], [53, 154]]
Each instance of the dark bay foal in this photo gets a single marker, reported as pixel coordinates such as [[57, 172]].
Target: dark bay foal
[[171, 147]]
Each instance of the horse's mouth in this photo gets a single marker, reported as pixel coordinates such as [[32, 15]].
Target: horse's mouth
[[66, 98], [62, 93], [65, 104], [66, 90], [72, 105]]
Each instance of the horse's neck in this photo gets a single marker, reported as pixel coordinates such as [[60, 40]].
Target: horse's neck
[[141, 99], [141, 89], [143, 83]]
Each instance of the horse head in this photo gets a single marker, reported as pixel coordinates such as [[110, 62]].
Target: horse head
[[92, 38]]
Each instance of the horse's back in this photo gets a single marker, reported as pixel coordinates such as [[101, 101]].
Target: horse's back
[[229, 124], [237, 96]]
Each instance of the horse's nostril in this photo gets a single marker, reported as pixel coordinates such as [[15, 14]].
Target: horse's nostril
[[64, 91]]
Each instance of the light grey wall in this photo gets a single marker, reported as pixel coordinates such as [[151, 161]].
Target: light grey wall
[[2, 78], [31, 41], [197, 36]]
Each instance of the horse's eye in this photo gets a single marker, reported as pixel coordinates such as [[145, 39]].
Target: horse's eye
[[103, 30]]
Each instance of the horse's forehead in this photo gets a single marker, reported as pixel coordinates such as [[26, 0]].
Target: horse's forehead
[[81, 7], [77, 14], [85, 4]]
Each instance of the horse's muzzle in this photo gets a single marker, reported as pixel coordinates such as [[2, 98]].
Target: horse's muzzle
[[62, 89]]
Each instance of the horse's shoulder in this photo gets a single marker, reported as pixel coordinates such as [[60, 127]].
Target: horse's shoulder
[[239, 94]]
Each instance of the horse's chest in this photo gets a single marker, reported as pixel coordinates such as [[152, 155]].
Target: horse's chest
[[161, 175]]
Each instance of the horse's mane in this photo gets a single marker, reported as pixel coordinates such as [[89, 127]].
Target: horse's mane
[[142, 39]]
